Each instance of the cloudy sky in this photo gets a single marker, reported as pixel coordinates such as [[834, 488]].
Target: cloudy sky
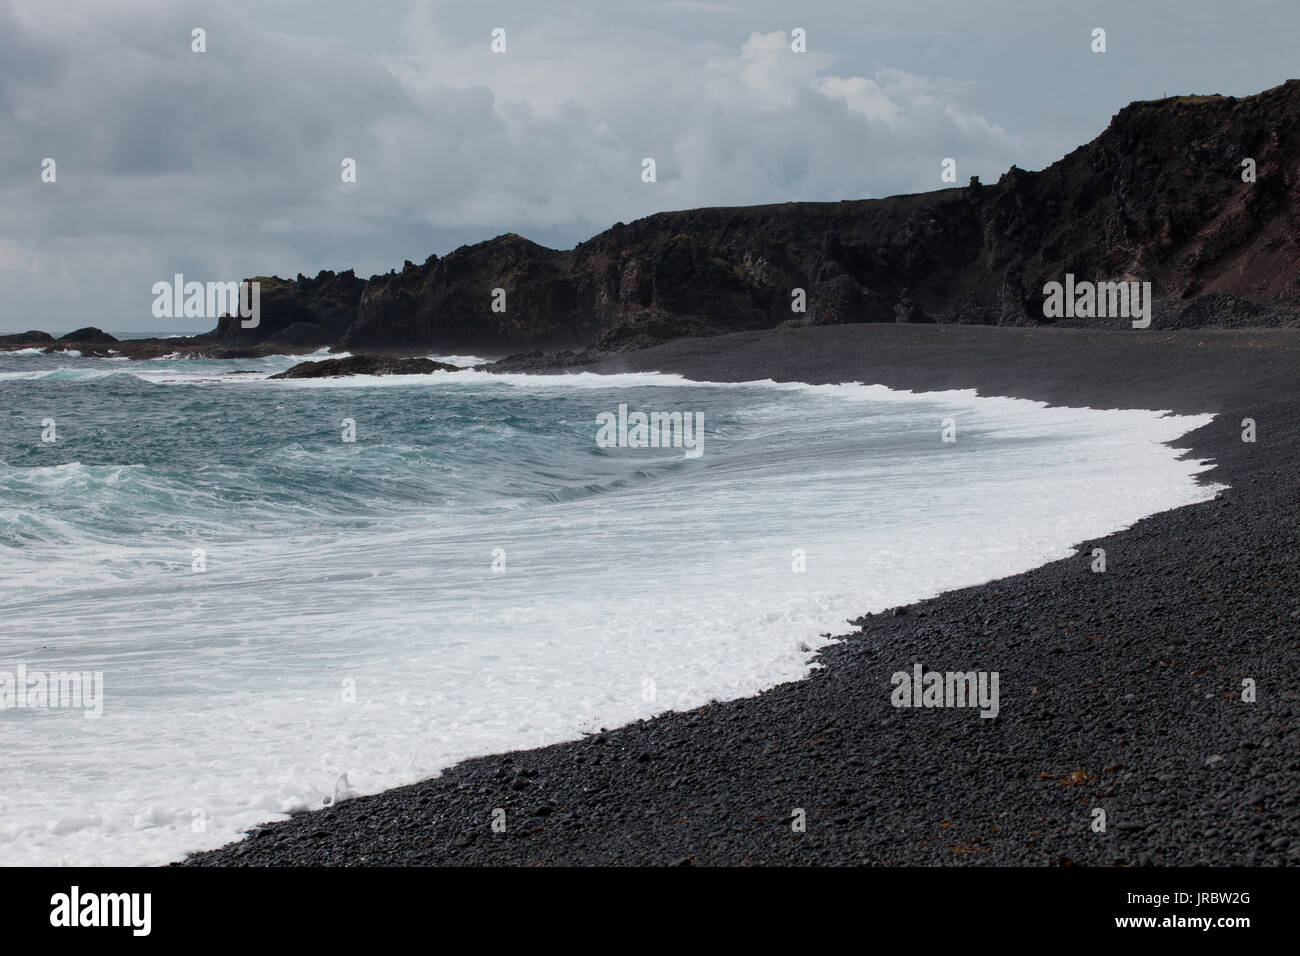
[[227, 163]]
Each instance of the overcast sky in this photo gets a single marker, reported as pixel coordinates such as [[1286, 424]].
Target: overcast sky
[[226, 164]]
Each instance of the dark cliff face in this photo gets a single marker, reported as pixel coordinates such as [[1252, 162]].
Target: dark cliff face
[[449, 302], [295, 313], [1158, 197]]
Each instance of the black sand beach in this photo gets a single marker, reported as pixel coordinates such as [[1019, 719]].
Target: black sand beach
[[1120, 690]]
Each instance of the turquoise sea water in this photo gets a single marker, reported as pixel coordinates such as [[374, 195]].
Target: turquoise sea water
[[272, 607]]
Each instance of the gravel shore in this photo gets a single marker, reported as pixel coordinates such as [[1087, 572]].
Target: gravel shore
[[1120, 691]]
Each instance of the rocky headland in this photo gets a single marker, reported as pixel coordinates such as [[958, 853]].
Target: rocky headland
[[1163, 195]]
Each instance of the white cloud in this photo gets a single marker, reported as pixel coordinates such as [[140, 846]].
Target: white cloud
[[227, 163], [697, 6]]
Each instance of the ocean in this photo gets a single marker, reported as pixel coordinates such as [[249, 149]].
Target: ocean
[[281, 616]]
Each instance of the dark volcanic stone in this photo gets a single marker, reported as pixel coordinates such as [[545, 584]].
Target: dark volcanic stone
[[366, 365], [25, 339], [300, 334], [89, 335], [329, 301]]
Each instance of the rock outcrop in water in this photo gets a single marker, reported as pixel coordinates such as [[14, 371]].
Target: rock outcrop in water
[[89, 336], [1159, 196], [366, 365], [26, 340]]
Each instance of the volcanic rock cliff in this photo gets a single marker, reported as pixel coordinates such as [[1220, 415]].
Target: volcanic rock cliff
[[1158, 196]]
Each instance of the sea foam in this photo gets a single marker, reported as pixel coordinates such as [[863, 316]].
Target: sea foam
[[348, 618]]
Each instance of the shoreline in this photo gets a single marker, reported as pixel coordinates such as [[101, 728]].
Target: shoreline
[[1120, 690]]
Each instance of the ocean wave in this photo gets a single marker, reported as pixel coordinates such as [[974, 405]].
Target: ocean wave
[[66, 374], [485, 575]]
